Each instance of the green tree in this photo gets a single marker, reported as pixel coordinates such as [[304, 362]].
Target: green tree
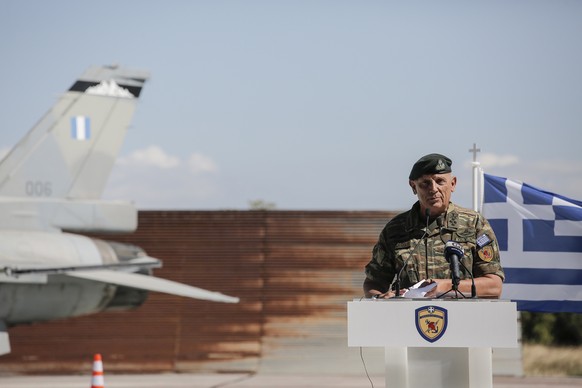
[[259, 204], [564, 329]]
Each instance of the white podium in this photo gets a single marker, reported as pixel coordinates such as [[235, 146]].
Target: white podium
[[434, 342]]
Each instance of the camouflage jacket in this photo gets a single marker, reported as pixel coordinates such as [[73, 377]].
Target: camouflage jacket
[[401, 236]]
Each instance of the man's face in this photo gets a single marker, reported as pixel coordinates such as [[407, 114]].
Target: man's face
[[434, 191]]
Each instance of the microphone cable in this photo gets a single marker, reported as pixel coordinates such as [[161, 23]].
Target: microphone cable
[[365, 369], [364, 361]]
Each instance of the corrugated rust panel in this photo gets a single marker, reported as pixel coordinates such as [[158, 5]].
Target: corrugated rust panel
[[315, 264], [293, 270]]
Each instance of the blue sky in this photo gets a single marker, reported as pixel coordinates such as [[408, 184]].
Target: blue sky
[[314, 105]]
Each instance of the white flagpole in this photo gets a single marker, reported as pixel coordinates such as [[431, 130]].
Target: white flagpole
[[477, 178], [481, 189]]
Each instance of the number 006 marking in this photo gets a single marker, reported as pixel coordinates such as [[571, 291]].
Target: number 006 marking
[[38, 189]]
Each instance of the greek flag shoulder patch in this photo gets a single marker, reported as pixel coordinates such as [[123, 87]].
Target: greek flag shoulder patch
[[483, 240]]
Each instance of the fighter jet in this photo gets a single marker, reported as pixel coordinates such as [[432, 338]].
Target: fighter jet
[[51, 184]]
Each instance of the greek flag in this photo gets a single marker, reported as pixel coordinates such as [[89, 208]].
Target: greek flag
[[540, 238], [80, 128]]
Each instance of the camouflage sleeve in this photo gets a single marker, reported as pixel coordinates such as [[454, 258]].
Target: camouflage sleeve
[[487, 259], [380, 268]]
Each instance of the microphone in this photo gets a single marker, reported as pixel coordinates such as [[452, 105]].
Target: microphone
[[397, 281], [440, 222], [453, 254]]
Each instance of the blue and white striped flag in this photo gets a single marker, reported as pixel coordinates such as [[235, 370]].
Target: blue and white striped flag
[[80, 128], [540, 238]]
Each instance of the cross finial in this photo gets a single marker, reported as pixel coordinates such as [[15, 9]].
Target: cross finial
[[474, 150]]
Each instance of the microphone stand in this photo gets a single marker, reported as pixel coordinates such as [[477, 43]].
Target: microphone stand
[[473, 288], [454, 272], [455, 289]]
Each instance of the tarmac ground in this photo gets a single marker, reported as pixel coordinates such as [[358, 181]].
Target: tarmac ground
[[248, 381]]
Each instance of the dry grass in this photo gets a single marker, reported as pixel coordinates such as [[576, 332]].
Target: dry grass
[[541, 360]]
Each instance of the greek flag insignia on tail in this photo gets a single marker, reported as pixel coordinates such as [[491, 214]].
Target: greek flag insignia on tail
[[540, 238], [80, 128]]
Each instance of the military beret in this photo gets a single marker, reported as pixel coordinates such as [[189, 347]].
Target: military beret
[[430, 164]]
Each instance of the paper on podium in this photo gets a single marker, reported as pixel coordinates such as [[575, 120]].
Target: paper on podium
[[418, 290]]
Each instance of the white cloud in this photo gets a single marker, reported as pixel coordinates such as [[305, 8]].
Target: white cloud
[[152, 156], [199, 163], [152, 179], [489, 160], [155, 188]]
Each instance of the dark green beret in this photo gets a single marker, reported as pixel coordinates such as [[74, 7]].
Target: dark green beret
[[430, 164]]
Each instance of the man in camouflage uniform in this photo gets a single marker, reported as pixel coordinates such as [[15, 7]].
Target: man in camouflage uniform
[[407, 235]]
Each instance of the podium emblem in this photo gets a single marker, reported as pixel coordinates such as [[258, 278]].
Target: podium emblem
[[431, 322]]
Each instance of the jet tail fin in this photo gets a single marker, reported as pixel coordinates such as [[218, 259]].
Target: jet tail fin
[[70, 152], [64, 161]]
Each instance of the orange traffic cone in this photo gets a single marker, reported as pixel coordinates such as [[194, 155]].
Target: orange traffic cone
[[97, 379]]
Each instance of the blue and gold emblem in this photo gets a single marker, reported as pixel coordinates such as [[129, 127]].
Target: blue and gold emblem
[[431, 322]]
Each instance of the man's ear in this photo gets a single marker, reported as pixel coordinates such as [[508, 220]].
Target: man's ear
[[412, 184]]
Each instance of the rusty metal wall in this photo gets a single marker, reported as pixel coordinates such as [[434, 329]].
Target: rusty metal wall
[[293, 270]]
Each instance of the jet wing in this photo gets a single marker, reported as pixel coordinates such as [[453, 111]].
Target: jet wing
[[151, 283]]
